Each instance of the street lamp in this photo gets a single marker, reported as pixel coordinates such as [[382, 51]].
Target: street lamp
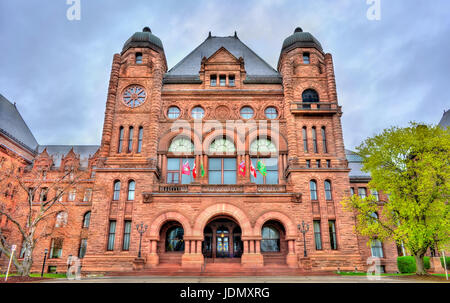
[[43, 263], [304, 228], [141, 228]]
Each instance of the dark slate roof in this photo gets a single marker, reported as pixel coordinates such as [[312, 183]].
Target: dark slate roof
[[13, 125], [301, 39], [445, 121], [143, 39], [355, 164], [189, 67], [59, 151]]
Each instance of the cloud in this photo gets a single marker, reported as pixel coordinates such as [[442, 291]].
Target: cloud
[[388, 72]]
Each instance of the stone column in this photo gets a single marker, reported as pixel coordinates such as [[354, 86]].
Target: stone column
[[252, 246]]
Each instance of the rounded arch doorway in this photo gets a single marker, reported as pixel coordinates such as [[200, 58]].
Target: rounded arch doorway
[[222, 239]]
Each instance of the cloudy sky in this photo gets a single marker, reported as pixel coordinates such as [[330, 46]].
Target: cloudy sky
[[388, 72]]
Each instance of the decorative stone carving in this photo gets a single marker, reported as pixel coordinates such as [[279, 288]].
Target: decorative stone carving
[[222, 112]]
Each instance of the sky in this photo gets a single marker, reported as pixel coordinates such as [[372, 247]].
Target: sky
[[388, 72]]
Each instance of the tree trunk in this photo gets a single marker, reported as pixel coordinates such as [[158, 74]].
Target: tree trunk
[[25, 267], [420, 266]]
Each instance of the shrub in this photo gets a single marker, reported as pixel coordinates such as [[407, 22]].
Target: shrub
[[407, 264], [447, 261]]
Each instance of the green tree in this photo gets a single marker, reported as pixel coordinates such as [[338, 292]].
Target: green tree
[[412, 166]]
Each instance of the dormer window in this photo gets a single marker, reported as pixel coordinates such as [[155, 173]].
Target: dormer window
[[306, 58], [138, 58], [223, 80], [213, 80], [231, 80]]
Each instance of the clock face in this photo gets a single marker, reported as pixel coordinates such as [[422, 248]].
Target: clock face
[[263, 146], [181, 145], [134, 96], [222, 146]]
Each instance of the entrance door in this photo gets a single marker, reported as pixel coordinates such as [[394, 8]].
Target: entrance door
[[223, 247], [207, 247]]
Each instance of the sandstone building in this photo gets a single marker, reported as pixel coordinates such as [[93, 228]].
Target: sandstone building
[[221, 110]]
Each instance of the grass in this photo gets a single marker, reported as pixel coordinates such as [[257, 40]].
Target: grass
[[352, 273], [38, 275]]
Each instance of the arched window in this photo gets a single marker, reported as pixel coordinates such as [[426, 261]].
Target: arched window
[[131, 189], [116, 194], [61, 219], [138, 58], [305, 139], [309, 96], [377, 248], [222, 170], [267, 167], [222, 145], [270, 239], [87, 219], [140, 137], [262, 146], [313, 189], [121, 131], [324, 140], [174, 239], [328, 195], [181, 145], [314, 137], [130, 139]]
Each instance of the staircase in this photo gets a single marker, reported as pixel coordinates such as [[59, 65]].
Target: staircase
[[274, 259]]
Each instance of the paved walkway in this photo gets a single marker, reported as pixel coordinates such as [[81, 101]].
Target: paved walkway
[[287, 279]]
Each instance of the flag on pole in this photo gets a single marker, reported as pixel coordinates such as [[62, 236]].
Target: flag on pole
[[186, 170], [252, 169], [194, 170], [242, 168], [202, 170], [261, 167]]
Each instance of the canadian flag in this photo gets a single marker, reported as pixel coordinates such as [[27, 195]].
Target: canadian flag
[[194, 171], [252, 170]]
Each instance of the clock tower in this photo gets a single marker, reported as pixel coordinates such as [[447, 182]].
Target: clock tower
[[127, 157]]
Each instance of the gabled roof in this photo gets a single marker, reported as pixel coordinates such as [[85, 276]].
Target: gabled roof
[[445, 121], [58, 152], [189, 67], [13, 126]]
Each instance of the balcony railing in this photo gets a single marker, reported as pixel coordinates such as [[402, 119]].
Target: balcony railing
[[217, 188], [173, 188], [314, 107], [221, 188], [271, 188]]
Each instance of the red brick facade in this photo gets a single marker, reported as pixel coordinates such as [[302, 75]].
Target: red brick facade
[[200, 208]]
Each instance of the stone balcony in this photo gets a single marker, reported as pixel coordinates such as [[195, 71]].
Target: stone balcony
[[249, 189], [315, 108], [220, 188]]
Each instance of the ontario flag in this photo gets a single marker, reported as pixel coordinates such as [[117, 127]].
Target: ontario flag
[[252, 170], [242, 168], [194, 171], [186, 170]]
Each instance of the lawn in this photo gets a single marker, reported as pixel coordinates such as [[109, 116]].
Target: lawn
[[352, 273], [48, 276]]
